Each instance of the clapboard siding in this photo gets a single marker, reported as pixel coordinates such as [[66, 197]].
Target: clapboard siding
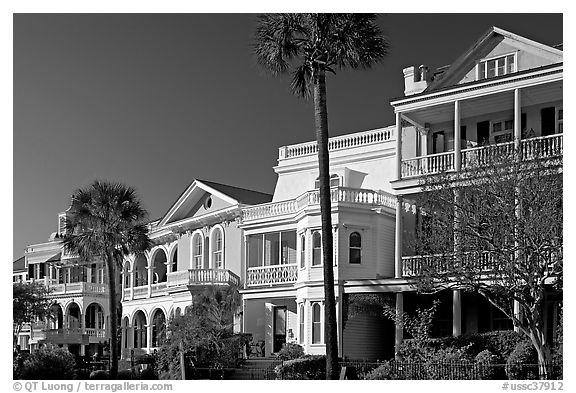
[[368, 337]]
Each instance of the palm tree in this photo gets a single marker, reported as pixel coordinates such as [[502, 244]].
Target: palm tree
[[308, 46], [106, 220]]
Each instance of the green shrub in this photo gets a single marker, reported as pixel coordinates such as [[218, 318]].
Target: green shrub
[[308, 367], [291, 351], [488, 365], [519, 361], [49, 363], [386, 371], [125, 374], [148, 374], [99, 375], [450, 363]]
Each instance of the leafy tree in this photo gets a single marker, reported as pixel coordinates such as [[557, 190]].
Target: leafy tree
[[496, 230], [29, 303], [106, 221], [308, 46], [204, 333]]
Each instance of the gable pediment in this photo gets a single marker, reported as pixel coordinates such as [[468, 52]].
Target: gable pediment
[[197, 200], [497, 43]]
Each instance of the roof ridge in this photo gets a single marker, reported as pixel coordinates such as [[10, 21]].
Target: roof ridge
[[208, 182]]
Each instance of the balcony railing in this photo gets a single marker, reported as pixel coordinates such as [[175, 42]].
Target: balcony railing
[[78, 288], [541, 147], [202, 277], [73, 335], [140, 292], [478, 261], [159, 288], [339, 142], [312, 198], [269, 275]]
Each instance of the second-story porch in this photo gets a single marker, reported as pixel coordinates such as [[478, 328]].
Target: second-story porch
[[469, 126]]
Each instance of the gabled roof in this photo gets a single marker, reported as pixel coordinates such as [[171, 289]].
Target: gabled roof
[[19, 265], [229, 194], [488, 41], [242, 195]]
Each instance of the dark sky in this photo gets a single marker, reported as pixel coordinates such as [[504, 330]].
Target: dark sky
[[156, 100]]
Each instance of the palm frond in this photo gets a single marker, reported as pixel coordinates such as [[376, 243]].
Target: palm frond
[[302, 81]]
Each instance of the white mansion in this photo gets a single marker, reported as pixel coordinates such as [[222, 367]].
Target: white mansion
[[505, 87]]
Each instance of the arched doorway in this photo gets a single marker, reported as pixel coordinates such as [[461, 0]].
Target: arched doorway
[[94, 317], [159, 264], [139, 329], [57, 317], [74, 316], [158, 328], [140, 271], [175, 260]]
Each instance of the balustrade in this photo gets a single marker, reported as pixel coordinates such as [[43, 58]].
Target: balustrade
[[484, 261], [202, 277], [312, 198], [337, 143], [268, 275]]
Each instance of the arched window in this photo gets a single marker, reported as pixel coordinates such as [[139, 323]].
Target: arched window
[[217, 249], [301, 327], [175, 260], [316, 249], [303, 250], [316, 324], [197, 252], [355, 247], [334, 181]]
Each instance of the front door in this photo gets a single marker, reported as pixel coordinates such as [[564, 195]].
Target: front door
[[548, 120], [279, 328], [482, 133]]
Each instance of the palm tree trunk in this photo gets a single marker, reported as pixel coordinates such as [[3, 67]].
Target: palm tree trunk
[[110, 262], [330, 327]]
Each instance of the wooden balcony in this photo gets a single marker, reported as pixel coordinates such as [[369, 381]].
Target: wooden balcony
[[200, 277], [542, 147], [271, 275]]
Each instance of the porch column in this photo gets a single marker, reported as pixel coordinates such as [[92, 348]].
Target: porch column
[[456, 312], [457, 137], [398, 146], [149, 336], [399, 331], [398, 238], [517, 119], [335, 253], [131, 274]]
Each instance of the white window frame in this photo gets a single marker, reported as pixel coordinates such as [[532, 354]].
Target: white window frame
[[198, 235], [302, 241], [321, 262], [301, 323], [214, 251], [356, 248], [559, 122], [486, 60], [321, 322], [503, 131]]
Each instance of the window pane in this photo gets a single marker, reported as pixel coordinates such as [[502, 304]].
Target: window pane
[[355, 240], [289, 247], [316, 324], [355, 255], [511, 67], [509, 124], [316, 249], [255, 257], [271, 249], [500, 66], [491, 68], [302, 251], [497, 127], [481, 70], [334, 181]]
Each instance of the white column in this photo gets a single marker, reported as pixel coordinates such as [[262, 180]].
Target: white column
[[150, 276], [517, 119], [149, 337], [131, 274], [398, 238], [457, 137], [456, 312], [398, 146], [399, 332]]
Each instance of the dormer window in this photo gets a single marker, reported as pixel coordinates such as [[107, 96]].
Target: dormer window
[[496, 66], [334, 181]]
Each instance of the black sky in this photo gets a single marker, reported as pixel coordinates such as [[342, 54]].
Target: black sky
[[156, 100]]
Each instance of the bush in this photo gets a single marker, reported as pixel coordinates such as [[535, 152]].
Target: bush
[[308, 367], [450, 363], [519, 361], [488, 365], [386, 371], [99, 375], [124, 374], [49, 363], [291, 351], [148, 374]]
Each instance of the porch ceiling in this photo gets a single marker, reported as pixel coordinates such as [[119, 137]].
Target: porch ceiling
[[533, 95]]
